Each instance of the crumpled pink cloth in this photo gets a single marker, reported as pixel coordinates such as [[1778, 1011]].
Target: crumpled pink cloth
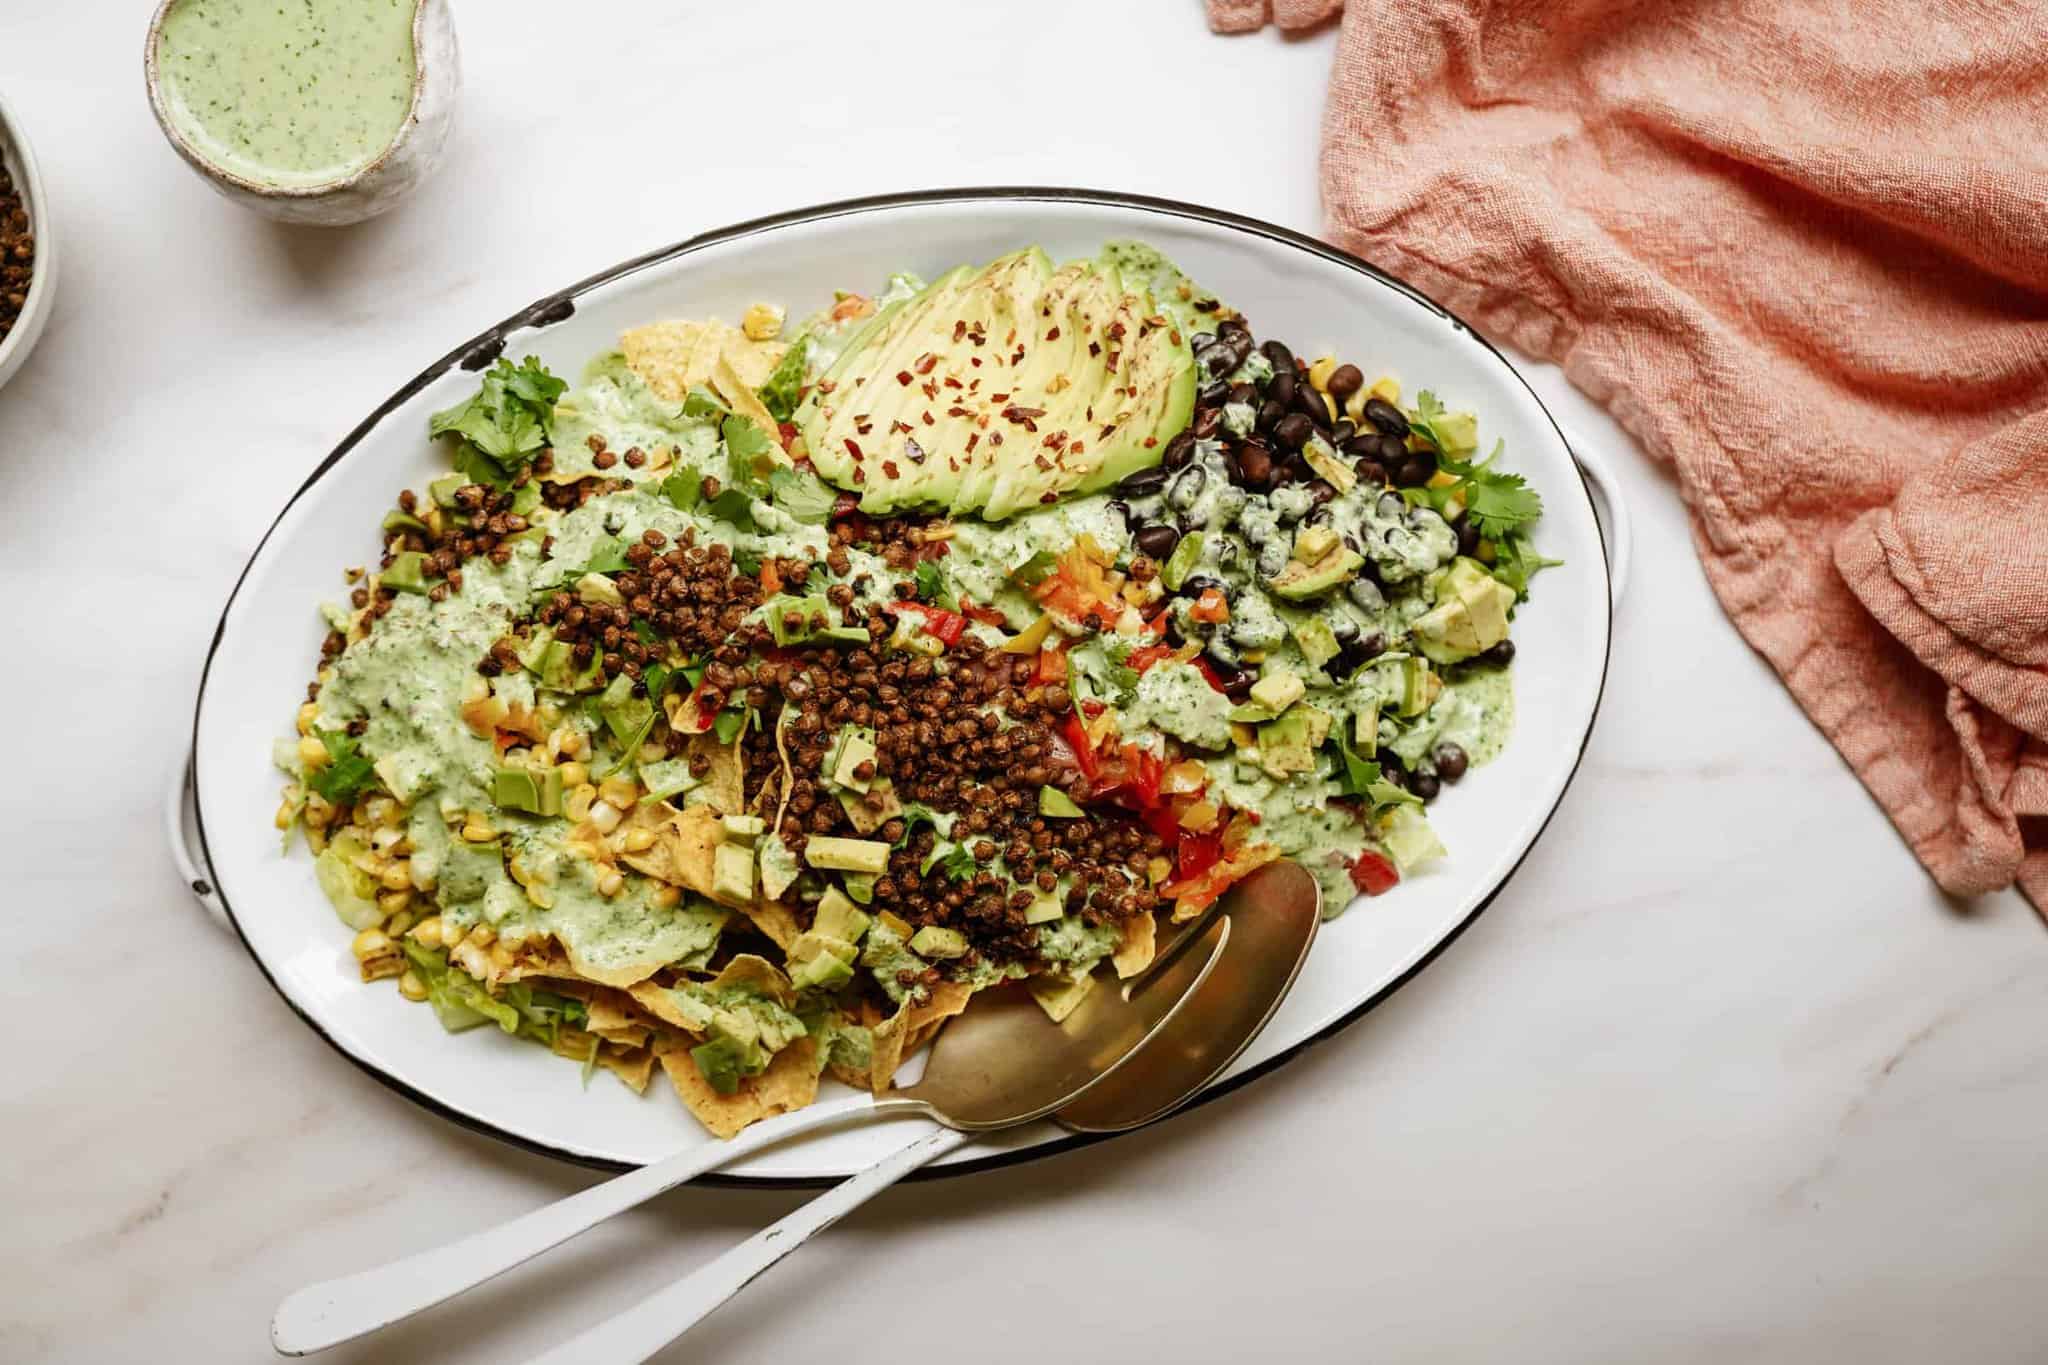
[[1801, 252]]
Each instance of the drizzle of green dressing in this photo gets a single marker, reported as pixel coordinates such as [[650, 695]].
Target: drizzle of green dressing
[[288, 92]]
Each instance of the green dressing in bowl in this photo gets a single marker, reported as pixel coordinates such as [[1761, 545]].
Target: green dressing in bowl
[[288, 93]]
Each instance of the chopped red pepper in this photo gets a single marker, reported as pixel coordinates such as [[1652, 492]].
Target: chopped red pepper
[[1210, 675], [1210, 606], [1374, 873], [1145, 656], [988, 616], [1195, 853], [945, 625], [1051, 666], [1076, 736]]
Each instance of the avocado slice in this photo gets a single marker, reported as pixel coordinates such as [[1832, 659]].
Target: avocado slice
[[1408, 686], [998, 388], [1470, 615], [778, 866], [732, 872], [1311, 543], [625, 715], [1046, 906], [442, 490], [1299, 581], [936, 940], [870, 856], [1186, 555], [840, 917], [1055, 804], [822, 972]]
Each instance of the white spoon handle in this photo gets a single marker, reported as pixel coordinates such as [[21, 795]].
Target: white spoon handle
[[333, 1311], [661, 1317]]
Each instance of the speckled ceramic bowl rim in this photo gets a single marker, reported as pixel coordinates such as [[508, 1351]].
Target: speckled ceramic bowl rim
[[27, 329], [480, 351], [153, 78]]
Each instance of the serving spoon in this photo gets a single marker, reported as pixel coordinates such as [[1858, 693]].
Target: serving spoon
[[1268, 920], [1000, 1064]]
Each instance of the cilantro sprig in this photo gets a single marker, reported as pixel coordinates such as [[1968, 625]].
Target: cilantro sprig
[[509, 420], [1501, 506], [347, 775]]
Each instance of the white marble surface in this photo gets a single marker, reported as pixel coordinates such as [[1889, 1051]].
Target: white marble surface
[[1720, 1076]]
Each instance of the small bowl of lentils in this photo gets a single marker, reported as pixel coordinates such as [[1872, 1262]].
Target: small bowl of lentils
[[28, 255]]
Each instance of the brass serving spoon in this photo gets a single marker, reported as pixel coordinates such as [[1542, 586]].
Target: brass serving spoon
[[1001, 1063], [1241, 961]]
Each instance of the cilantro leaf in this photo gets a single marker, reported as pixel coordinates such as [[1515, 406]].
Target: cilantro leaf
[[347, 774], [1497, 502], [701, 404], [1515, 563], [684, 489], [509, 418], [608, 557], [1428, 412], [747, 455], [931, 581], [783, 389], [802, 494], [1384, 794], [918, 813], [953, 860], [1355, 776]]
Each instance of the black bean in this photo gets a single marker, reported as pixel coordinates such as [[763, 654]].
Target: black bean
[[1344, 381], [1393, 450], [1156, 542], [1311, 405], [1216, 362], [1205, 423], [1239, 345], [1413, 472], [1293, 430], [1230, 329], [1322, 491], [1281, 389], [1282, 358], [1502, 653], [1451, 761], [1270, 413], [1297, 469], [1254, 464], [1371, 472], [1202, 341], [1243, 393], [1468, 538], [1386, 417], [1424, 786], [1178, 450], [1390, 763], [1212, 392], [1366, 446], [1145, 482], [1342, 431], [1195, 584], [1122, 510]]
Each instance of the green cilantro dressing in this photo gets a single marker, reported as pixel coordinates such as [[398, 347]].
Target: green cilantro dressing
[[288, 92]]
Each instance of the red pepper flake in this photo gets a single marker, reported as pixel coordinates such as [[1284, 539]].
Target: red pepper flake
[[928, 420], [1079, 448], [1116, 331], [863, 428], [952, 464], [1174, 336], [1053, 335], [959, 330], [956, 411], [995, 438], [1111, 362], [953, 383], [1011, 339], [1107, 432], [860, 381], [860, 475], [903, 378], [1022, 414], [1151, 441], [926, 361], [979, 338], [973, 439], [898, 425], [1155, 321], [999, 398], [889, 468], [975, 361], [1018, 357], [826, 386], [853, 449], [1094, 348], [930, 387], [1048, 498], [1041, 462]]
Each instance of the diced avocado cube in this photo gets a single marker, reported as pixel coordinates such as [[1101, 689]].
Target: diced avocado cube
[[1250, 713], [840, 917], [745, 828], [534, 655], [1365, 731], [442, 490], [1317, 641], [1284, 746], [842, 635], [1045, 907], [869, 856], [1470, 615], [1408, 685], [1313, 542], [1333, 469], [779, 609], [667, 777], [1060, 996], [395, 520], [854, 747], [1056, 804], [722, 1062], [408, 573], [1182, 561], [537, 792], [625, 715], [1319, 723], [822, 972], [1300, 580], [936, 940], [1278, 689], [732, 872], [1460, 432], [860, 886], [595, 587]]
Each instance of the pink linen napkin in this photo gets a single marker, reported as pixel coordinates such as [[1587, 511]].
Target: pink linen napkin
[[1800, 250]]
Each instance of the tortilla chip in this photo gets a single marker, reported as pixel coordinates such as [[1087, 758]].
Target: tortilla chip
[[618, 977], [655, 1000], [575, 1044], [633, 1035], [757, 974], [685, 845], [790, 1082], [634, 1066], [894, 1035], [543, 957], [674, 357], [774, 919], [724, 786], [729, 376], [1140, 942], [608, 1010]]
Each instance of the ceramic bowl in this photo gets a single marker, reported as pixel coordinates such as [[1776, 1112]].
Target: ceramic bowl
[[28, 181], [411, 156]]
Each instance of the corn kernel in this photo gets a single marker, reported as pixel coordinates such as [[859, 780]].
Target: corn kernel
[[501, 957], [382, 810], [411, 987], [540, 897], [605, 816], [370, 943], [471, 959], [482, 934], [513, 939], [477, 831], [387, 841], [762, 322], [1386, 388], [377, 968], [621, 792], [610, 882], [423, 878], [316, 840], [312, 752], [667, 897], [286, 814], [396, 878], [308, 713], [399, 923], [576, 805], [1320, 371], [318, 812], [574, 775], [391, 902], [639, 840], [427, 933]]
